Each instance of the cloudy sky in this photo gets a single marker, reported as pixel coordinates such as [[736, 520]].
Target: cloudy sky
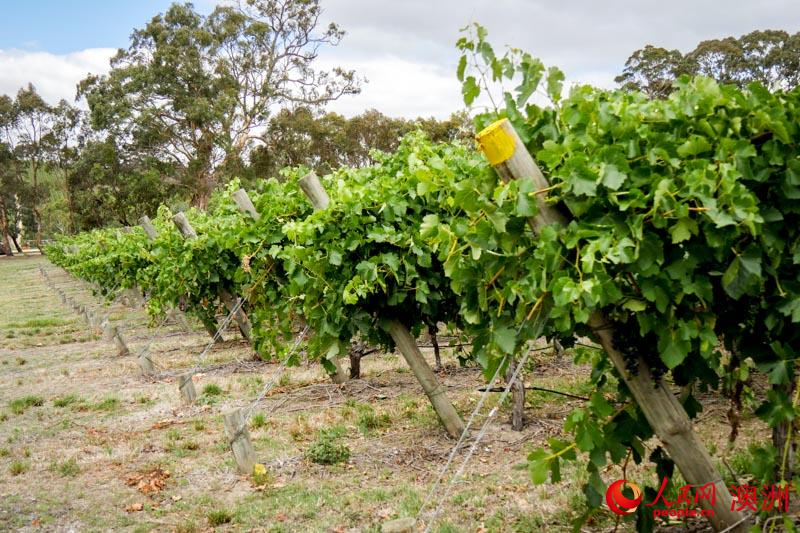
[[405, 48]]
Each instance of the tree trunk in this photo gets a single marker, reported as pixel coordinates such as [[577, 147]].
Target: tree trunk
[[558, 350], [16, 244], [517, 396], [437, 358], [211, 327], [4, 227], [783, 440], [35, 207], [240, 316], [506, 152], [355, 363]]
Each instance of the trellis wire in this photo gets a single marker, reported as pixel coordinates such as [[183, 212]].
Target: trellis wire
[[539, 326]]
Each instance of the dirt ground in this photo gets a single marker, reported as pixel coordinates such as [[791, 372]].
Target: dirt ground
[[88, 444]]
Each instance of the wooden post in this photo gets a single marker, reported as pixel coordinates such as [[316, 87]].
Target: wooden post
[[240, 316], [239, 439], [119, 342], [244, 203], [314, 190], [517, 396], [108, 330], [146, 364], [318, 198], [507, 154], [407, 346], [227, 298], [148, 227], [186, 386], [184, 226]]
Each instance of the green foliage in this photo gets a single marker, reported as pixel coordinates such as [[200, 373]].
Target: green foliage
[[219, 517], [212, 389], [327, 448], [18, 467], [19, 405], [684, 232], [682, 209]]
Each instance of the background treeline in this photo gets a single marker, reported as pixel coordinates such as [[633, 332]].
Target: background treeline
[[196, 100]]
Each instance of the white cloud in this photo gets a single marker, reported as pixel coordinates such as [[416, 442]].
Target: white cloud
[[400, 87], [55, 76]]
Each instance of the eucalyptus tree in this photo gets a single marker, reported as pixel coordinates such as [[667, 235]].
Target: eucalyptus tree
[[770, 57], [194, 90]]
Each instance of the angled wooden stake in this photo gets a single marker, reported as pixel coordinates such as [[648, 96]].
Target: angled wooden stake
[[186, 386], [406, 344], [505, 151], [315, 192], [239, 439], [244, 204], [146, 364]]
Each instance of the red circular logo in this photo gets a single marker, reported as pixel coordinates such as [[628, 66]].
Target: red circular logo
[[618, 502]]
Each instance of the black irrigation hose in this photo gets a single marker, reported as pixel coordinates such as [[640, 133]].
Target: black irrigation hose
[[542, 389]]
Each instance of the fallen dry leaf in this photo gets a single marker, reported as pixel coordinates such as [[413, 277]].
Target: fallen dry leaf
[[163, 423], [149, 482], [134, 507]]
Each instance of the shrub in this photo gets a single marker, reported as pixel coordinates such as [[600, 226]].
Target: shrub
[[327, 450]]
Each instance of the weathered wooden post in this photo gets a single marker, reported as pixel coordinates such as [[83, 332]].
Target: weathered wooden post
[[406, 344], [244, 203], [239, 439], [147, 226], [435, 391], [112, 333], [146, 363], [507, 154], [186, 386], [188, 232]]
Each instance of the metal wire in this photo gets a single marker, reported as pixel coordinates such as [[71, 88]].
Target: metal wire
[[539, 325]]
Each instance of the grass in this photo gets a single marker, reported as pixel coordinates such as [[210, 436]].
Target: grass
[[64, 401], [368, 421], [68, 468], [258, 421], [19, 405], [212, 389], [108, 404], [18, 467], [219, 517]]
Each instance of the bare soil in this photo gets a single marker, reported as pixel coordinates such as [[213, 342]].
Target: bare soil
[[88, 444]]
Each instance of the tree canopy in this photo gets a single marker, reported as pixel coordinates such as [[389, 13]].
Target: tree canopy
[[770, 57]]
